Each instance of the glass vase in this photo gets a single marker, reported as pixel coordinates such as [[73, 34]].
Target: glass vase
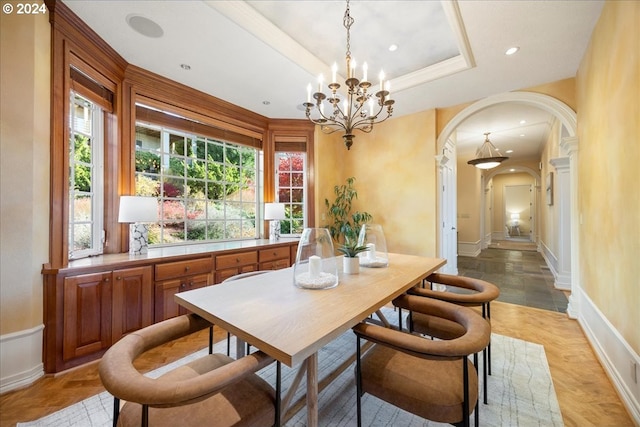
[[315, 266], [372, 236]]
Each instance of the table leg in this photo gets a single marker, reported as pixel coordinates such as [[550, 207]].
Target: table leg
[[240, 348], [312, 390]]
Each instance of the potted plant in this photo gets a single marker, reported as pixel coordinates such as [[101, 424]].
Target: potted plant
[[345, 225], [350, 262]]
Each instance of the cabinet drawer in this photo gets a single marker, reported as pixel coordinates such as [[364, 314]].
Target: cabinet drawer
[[274, 265], [170, 270], [236, 260], [274, 253]]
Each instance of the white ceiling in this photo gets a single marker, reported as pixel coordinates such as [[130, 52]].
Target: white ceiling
[[261, 55]]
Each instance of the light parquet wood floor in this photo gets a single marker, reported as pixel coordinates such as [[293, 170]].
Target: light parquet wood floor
[[584, 392]]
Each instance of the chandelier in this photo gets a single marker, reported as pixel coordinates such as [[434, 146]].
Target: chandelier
[[487, 156], [360, 109]]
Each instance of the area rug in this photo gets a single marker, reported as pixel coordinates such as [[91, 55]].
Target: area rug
[[521, 391]]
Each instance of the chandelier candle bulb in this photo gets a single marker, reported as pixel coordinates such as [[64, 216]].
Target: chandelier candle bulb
[[315, 266], [334, 71], [320, 79], [364, 72], [388, 88], [309, 92], [381, 81]]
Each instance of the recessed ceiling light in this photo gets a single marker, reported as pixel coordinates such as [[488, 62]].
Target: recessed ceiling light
[[266, 102], [393, 47], [512, 170], [509, 151], [144, 26], [523, 122], [522, 135], [185, 66], [512, 50]]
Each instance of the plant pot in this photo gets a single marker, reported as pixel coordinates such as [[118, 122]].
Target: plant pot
[[351, 265]]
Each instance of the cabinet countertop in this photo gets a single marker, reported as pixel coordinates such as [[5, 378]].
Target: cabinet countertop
[[168, 253]]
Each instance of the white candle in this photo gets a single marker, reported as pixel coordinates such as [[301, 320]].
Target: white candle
[[371, 106], [315, 266], [364, 72], [381, 80], [388, 88], [309, 92], [334, 71], [371, 251], [320, 79], [353, 68]]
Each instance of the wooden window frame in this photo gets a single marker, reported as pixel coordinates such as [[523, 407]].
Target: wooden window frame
[[75, 45]]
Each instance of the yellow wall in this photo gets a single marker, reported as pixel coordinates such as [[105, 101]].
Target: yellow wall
[[608, 88], [548, 214], [395, 169], [24, 167]]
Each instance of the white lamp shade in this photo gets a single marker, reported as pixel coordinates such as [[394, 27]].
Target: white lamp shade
[[515, 216], [138, 209], [274, 211]]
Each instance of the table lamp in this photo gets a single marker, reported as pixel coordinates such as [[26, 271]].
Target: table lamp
[[137, 211], [515, 218], [274, 212]]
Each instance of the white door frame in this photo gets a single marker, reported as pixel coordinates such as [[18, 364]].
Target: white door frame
[[568, 145]]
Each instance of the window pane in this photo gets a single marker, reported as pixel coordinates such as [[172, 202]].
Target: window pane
[[208, 189], [290, 190], [85, 159]]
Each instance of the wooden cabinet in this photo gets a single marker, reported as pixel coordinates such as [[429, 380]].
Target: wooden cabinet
[[132, 301], [179, 276], [275, 258], [94, 302], [100, 308], [232, 264]]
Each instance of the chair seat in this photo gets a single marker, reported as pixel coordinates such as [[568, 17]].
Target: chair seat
[[246, 403], [416, 384]]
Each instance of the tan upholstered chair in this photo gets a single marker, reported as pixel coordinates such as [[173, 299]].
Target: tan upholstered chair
[[213, 390], [433, 379], [475, 293]]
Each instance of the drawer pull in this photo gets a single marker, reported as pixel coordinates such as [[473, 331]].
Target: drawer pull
[[106, 279], [187, 268], [118, 278], [237, 259]]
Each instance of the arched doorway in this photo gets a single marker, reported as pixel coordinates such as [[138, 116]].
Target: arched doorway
[[568, 145]]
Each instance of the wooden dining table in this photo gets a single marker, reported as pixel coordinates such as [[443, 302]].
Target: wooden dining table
[[291, 324]]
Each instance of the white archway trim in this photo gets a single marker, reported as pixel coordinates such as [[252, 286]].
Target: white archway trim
[[545, 102], [569, 144]]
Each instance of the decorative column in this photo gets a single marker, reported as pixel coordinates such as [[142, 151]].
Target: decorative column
[[570, 146], [562, 206]]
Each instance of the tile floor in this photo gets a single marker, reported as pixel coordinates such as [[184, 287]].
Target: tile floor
[[522, 276]]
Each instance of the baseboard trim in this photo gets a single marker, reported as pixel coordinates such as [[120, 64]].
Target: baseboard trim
[[613, 352], [471, 249], [21, 355]]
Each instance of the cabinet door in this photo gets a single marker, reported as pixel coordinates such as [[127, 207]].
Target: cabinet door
[[166, 306], [132, 301], [87, 314]]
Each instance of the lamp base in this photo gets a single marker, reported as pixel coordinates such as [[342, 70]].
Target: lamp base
[[274, 230], [138, 239]]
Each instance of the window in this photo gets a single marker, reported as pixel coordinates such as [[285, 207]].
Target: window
[[85, 177], [291, 190], [207, 188]]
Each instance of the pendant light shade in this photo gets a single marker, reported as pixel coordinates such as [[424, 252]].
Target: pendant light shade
[[487, 156]]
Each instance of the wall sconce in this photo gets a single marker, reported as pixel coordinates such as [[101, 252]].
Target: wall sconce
[[274, 212], [137, 211]]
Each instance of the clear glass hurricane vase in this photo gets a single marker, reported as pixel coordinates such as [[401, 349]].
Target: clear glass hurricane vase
[[372, 236], [315, 266]]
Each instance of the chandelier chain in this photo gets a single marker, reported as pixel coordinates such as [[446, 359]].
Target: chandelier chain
[[348, 21]]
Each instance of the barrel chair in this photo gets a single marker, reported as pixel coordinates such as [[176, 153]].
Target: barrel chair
[[433, 379], [460, 290], [212, 390]]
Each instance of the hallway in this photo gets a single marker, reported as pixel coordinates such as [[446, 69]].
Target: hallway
[[522, 276]]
